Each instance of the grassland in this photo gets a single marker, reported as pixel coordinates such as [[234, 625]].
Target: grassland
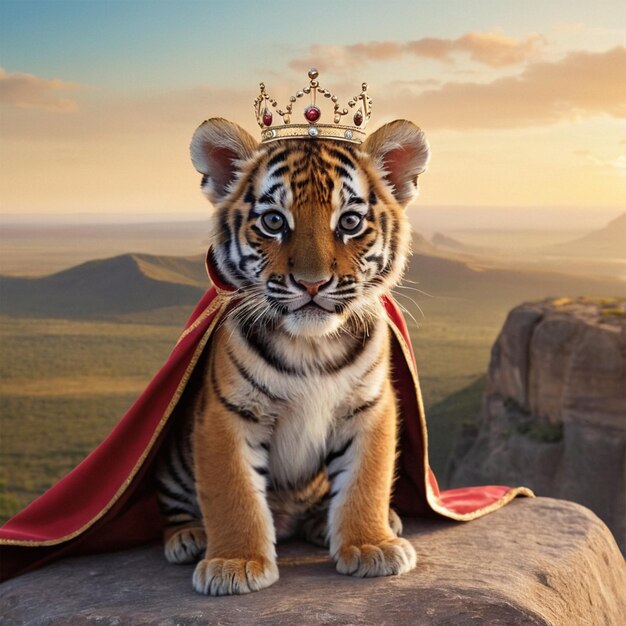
[[65, 384]]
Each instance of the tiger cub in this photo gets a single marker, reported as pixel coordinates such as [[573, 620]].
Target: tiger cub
[[293, 430]]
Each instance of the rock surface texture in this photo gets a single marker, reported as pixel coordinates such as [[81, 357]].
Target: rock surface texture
[[554, 411], [537, 561]]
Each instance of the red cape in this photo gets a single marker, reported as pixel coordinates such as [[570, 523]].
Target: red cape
[[108, 502]]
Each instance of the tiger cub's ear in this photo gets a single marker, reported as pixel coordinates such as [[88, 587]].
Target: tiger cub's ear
[[400, 151], [216, 148]]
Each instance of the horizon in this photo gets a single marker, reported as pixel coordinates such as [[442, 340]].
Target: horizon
[[444, 217], [36, 245], [524, 110]]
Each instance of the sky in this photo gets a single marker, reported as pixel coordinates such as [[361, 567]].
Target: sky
[[524, 103]]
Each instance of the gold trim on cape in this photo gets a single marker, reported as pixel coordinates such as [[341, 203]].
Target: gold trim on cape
[[206, 313]]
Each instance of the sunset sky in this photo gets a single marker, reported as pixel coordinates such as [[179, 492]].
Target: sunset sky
[[524, 103]]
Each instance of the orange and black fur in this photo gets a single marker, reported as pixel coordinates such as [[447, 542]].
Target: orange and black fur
[[293, 430]]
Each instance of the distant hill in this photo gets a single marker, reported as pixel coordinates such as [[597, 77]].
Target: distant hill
[[608, 242], [441, 240], [484, 288], [442, 246], [40, 249], [118, 285], [131, 285]]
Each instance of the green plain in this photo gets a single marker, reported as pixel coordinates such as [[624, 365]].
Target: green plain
[[65, 384]]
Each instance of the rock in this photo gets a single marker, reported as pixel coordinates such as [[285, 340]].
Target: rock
[[554, 411], [536, 561], [509, 356]]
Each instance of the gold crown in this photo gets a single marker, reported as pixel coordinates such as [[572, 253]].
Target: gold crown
[[360, 106]]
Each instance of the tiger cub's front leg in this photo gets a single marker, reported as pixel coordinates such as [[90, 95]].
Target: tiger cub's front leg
[[229, 469], [361, 539]]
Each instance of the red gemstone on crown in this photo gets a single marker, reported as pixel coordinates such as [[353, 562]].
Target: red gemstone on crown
[[358, 118], [267, 117], [312, 114]]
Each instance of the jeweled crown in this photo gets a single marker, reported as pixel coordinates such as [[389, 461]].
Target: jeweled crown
[[313, 121]]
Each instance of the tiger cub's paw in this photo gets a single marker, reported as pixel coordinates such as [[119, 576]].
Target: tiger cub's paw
[[388, 558], [225, 577], [185, 545]]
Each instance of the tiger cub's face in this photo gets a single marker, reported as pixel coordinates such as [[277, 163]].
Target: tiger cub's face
[[312, 232]]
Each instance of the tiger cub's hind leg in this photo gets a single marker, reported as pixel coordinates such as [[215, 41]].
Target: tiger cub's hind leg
[[315, 526], [186, 543], [184, 537], [395, 523]]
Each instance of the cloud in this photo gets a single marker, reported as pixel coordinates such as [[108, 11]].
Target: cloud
[[605, 164], [492, 49], [134, 117], [581, 85], [27, 91], [620, 163], [426, 82]]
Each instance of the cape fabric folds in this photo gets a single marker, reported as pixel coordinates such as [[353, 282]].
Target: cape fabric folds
[[108, 502]]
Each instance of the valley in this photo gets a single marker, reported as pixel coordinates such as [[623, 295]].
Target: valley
[[80, 340]]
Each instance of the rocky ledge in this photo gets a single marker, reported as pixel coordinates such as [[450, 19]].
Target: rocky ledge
[[537, 561], [554, 410]]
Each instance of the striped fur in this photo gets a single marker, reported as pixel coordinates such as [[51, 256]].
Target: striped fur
[[293, 430]]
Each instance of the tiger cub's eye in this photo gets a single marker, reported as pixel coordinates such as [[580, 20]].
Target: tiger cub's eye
[[350, 222], [273, 221]]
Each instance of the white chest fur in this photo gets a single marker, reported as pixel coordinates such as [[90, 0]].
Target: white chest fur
[[303, 430], [307, 421]]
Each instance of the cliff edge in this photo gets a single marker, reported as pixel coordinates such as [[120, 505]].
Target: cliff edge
[[536, 561], [554, 411]]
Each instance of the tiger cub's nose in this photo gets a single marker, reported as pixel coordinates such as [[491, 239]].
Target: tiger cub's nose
[[313, 287]]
